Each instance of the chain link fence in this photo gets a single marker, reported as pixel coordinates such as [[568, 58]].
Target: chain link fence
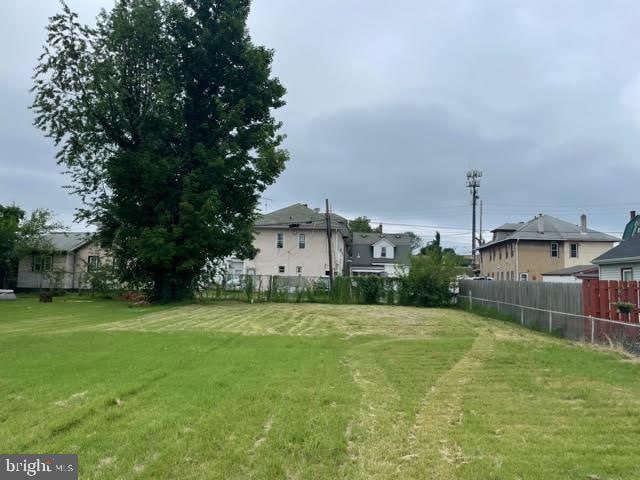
[[598, 331]]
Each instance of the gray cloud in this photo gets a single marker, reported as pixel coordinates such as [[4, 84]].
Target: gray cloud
[[389, 103]]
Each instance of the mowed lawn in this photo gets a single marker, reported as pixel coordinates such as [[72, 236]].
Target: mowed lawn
[[302, 391]]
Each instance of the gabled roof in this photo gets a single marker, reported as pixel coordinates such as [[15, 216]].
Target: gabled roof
[[370, 238], [301, 216], [629, 250], [362, 248], [67, 241], [553, 229]]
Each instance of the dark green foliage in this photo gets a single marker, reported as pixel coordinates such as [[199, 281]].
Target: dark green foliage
[[342, 290], [370, 287], [162, 114], [360, 224], [428, 283], [10, 217], [22, 235]]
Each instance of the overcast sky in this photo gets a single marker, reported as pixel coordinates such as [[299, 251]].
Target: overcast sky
[[390, 103]]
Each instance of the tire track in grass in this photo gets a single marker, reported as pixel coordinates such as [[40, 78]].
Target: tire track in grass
[[432, 452]]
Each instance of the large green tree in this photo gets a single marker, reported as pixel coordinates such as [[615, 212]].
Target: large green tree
[[163, 116]]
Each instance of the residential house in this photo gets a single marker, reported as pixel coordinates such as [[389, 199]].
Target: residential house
[[73, 256], [621, 262], [380, 254], [575, 274], [293, 241], [526, 250]]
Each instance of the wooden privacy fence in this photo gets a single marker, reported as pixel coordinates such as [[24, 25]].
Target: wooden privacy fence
[[601, 296], [543, 306], [586, 312], [600, 299]]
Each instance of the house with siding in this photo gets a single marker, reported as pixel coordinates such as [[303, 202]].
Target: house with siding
[[376, 253], [525, 251], [621, 262], [72, 256]]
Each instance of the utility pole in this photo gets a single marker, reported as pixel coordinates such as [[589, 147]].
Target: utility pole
[[328, 222], [480, 241], [473, 183]]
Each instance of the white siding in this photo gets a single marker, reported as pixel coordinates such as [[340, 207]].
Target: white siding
[[614, 271], [377, 249]]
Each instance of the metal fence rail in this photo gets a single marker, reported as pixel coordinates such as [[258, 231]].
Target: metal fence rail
[[572, 326]]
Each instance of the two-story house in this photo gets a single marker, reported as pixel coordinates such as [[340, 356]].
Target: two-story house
[[526, 250], [293, 241], [379, 254]]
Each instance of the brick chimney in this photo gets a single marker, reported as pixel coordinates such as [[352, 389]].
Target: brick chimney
[[632, 214], [583, 223], [541, 223], [379, 229]]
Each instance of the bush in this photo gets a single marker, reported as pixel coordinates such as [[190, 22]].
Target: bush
[[369, 287], [428, 283]]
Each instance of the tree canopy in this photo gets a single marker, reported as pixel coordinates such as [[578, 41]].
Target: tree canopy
[[162, 114], [360, 224]]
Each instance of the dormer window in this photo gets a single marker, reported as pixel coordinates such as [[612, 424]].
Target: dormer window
[[383, 252]]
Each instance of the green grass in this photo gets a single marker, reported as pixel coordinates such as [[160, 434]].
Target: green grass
[[310, 391]]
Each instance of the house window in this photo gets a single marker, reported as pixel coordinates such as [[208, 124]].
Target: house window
[[281, 269], [383, 252], [524, 277], [627, 274], [574, 250], [279, 240], [555, 251], [93, 263], [512, 249], [299, 270], [41, 263], [327, 272], [301, 240], [499, 254]]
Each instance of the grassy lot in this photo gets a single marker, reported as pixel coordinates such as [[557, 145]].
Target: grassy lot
[[310, 391]]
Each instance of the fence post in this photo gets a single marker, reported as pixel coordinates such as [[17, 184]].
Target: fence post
[[470, 301], [521, 315], [498, 305], [593, 329], [550, 321]]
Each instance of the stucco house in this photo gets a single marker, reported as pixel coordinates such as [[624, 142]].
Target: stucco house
[[526, 250], [72, 256], [621, 262], [293, 241], [381, 254]]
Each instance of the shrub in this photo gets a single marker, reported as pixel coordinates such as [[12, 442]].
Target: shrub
[[428, 283], [369, 287]]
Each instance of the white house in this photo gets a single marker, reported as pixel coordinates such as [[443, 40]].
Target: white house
[[293, 241]]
